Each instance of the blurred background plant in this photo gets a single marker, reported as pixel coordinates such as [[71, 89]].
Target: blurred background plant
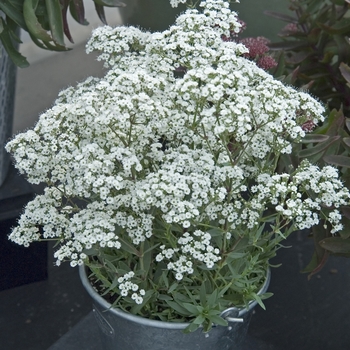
[[314, 55], [45, 21]]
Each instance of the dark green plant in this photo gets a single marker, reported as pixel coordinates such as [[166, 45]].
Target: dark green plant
[[45, 21], [316, 48], [313, 55]]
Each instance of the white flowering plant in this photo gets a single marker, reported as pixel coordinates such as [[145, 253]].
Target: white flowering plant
[[162, 176]]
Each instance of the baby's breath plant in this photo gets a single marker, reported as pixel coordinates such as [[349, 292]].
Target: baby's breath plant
[[162, 176]]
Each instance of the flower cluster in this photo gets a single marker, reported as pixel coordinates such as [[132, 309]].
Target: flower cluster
[[125, 286], [166, 168], [258, 52]]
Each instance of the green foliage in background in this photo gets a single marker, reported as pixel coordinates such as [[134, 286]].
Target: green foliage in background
[[314, 55], [45, 21]]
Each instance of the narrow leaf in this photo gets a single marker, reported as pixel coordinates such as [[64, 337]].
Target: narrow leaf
[[54, 13], [336, 245], [100, 12], [76, 8], [216, 319], [203, 294], [281, 16], [175, 306], [34, 27], [199, 320], [346, 140], [191, 308], [14, 14], [65, 21], [319, 148], [314, 138], [342, 161], [346, 212], [191, 328], [173, 287], [288, 45], [110, 3], [345, 71], [15, 56]]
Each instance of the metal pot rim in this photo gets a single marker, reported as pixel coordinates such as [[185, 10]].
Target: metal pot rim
[[155, 323]]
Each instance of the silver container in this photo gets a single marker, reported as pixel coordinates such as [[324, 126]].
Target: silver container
[[121, 331]]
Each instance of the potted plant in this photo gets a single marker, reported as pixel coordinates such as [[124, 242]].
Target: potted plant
[[163, 180]]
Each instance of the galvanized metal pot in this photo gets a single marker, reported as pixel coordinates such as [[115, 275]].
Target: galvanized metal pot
[[120, 330]]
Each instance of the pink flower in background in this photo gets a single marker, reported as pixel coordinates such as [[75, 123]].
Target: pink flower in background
[[308, 126], [266, 62], [258, 47], [290, 28]]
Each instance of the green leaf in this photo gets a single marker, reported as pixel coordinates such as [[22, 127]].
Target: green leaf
[[258, 299], [165, 279], [110, 3], [280, 69], [314, 138], [319, 148], [203, 294], [216, 319], [13, 13], [179, 309], [334, 121], [347, 123], [191, 308], [128, 247], [289, 45], [342, 27], [15, 56], [312, 7], [345, 71], [34, 27], [216, 232], [173, 287], [336, 245], [345, 232], [191, 328], [282, 16], [266, 295], [213, 298], [100, 12], [346, 141], [342, 161], [346, 212], [320, 255], [338, 2], [76, 8], [54, 13], [147, 256], [65, 21], [199, 320], [164, 297], [113, 285]]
